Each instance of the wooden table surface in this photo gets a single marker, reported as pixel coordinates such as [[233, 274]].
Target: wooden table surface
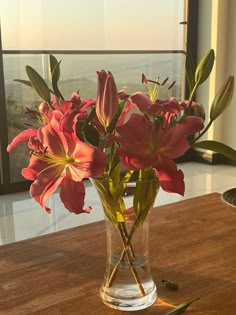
[[192, 242]]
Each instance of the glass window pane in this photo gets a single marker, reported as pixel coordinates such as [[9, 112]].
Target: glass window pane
[[92, 24], [87, 25], [78, 72], [18, 98]]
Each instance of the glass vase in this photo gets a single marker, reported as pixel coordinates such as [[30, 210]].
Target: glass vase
[[128, 284]]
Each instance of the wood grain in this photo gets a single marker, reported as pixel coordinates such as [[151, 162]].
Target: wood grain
[[192, 242]]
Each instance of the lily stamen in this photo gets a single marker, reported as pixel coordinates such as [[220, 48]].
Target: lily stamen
[[171, 85], [164, 82], [145, 80]]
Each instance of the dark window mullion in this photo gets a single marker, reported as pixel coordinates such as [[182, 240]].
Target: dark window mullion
[[192, 34]]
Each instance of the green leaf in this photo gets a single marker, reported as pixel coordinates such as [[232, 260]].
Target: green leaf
[[115, 173], [112, 125], [88, 130], [145, 194], [92, 114], [118, 190], [106, 199], [170, 285], [181, 308], [112, 159], [54, 68], [55, 76], [204, 67], [190, 70], [79, 130], [28, 83], [25, 82], [113, 207], [91, 134], [216, 147], [38, 84]]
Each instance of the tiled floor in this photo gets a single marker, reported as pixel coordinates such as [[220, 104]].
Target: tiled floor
[[22, 218]]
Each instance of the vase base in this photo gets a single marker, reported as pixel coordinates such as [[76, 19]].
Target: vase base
[[130, 304]]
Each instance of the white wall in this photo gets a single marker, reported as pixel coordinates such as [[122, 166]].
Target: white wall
[[229, 126], [217, 30]]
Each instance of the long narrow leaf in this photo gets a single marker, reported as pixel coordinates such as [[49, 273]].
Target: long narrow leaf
[[106, 199], [181, 308], [54, 69], [38, 84], [91, 134], [111, 127], [55, 75], [25, 82], [190, 70], [216, 147], [113, 208], [145, 194], [28, 83]]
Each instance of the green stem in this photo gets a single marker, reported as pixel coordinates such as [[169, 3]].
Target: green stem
[[127, 235], [102, 142], [202, 133], [111, 158], [194, 90], [133, 269], [122, 256], [126, 251]]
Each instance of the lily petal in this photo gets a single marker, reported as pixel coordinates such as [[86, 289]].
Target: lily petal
[[107, 98], [46, 184], [171, 179], [72, 195], [91, 162], [52, 138], [34, 168], [142, 101], [21, 137]]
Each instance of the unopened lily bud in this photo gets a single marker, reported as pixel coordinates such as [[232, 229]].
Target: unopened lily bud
[[204, 67], [107, 103], [222, 98]]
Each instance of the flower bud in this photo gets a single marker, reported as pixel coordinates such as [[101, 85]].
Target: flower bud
[[107, 98], [222, 98], [204, 67]]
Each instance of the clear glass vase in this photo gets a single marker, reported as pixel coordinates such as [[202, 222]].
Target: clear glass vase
[[128, 284]]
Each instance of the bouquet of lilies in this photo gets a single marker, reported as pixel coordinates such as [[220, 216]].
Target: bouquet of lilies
[[112, 137]]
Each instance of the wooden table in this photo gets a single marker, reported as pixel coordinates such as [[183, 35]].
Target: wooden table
[[192, 242]]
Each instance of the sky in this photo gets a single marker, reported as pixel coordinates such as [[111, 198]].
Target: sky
[[92, 24]]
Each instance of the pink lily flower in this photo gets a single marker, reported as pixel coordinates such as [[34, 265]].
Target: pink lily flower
[[146, 106], [107, 98], [198, 109], [60, 160], [150, 146], [64, 106], [74, 104]]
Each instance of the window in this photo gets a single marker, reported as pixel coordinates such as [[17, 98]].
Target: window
[[126, 37]]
